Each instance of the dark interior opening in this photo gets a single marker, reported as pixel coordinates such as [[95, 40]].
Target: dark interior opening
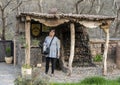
[[82, 49]]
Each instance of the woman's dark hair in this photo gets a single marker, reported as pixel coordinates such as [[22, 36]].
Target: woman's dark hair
[[52, 29]]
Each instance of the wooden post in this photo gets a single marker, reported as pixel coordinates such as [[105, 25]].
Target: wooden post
[[72, 47], [14, 51], [106, 31], [27, 36]]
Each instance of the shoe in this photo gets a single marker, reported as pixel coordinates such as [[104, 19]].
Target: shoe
[[51, 75], [45, 74]]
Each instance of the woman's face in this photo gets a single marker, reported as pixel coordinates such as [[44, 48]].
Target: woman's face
[[52, 33]]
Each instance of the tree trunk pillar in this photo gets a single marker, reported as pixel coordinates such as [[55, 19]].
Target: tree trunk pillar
[[72, 47], [27, 44], [106, 31]]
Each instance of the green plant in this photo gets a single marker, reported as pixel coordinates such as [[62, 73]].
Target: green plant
[[37, 81], [22, 39], [26, 66], [98, 58], [94, 81], [35, 42], [41, 81], [8, 51], [22, 81], [118, 79]]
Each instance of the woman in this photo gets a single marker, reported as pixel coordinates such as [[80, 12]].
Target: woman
[[54, 50]]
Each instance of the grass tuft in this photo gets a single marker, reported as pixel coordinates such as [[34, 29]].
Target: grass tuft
[[94, 80]]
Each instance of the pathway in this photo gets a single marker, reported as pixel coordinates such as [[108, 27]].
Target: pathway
[[8, 73]]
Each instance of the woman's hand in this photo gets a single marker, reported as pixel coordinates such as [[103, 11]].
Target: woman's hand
[[58, 56]]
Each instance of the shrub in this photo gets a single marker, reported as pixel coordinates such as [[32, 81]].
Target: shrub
[[118, 79], [94, 80], [98, 58], [36, 81], [26, 66], [8, 51], [112, 82], [44, 80], [22, 81]]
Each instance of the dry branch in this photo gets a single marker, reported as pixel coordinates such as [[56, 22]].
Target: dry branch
[[117, 20], [4, 16], [7, 4], [13, 9], [101, 7], [1, 8], [40, 5], [92, 5], [8, 24], [82, 10], [17, 6], [76, 6]]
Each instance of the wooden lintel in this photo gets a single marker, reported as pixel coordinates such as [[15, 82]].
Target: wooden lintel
[[27, 45]]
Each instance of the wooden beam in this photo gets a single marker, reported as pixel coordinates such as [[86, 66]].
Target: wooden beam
[[72, 47], [106, 31], [27, 45]]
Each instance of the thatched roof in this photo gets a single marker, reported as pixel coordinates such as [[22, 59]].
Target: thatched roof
[[57, 19], [68, 16]]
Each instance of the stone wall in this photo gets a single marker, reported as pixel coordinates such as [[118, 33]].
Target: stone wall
[[97, 47], [118, 55], [36, 56]]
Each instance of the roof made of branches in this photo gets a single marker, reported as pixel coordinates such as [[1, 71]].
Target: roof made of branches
[[68, 16]]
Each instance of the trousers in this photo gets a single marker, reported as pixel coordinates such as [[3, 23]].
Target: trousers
[[53, 64]]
